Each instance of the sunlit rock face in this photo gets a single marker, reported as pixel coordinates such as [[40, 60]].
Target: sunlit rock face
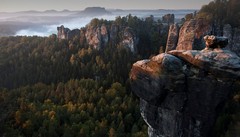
[[93, 36], [172, 37], [182, 91], [191, 34]]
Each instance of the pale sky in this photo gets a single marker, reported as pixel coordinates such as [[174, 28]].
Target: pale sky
[[41, 5]]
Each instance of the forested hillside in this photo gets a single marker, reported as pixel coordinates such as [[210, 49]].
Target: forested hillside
[[221, 12], [66, 88], [53, 87]]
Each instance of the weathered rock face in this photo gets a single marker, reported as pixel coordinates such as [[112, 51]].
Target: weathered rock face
[[104, 35], [93, 36], [182, 92], [191, 35], [172, 37], [97, 36], [218, 62], [62, 32], [129, 39], [66, 33]]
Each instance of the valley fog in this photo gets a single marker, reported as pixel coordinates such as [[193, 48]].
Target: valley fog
[[51, 28], [29, 23]]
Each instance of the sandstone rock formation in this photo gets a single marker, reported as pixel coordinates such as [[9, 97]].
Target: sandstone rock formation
[[66, 33], [191, 34], [99, 36], [104, 35], [182, 92], [189, 37], [129, 39], [62, 32], [172, 37]]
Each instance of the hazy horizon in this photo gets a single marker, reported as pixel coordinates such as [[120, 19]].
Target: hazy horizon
[[88, 7], [74, 5], [44, 24]]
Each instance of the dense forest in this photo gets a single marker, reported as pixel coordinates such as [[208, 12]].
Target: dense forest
[[52, 87], [219, 13], [76, 108], [222, 12]]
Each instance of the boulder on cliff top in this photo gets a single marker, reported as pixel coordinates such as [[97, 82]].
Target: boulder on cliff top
[[215, 41], [181, 93]]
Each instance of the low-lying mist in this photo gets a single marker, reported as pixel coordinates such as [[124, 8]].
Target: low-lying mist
[[32, 23], [48, 29]]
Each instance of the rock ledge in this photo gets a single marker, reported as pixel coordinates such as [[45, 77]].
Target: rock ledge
[[182, 92]]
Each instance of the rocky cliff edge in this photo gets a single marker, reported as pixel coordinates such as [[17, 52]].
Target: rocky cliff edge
[[182, 92]]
